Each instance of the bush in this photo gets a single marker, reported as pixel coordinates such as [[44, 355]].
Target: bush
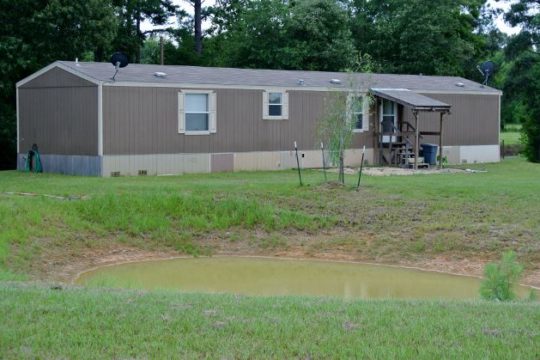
[[500, 278]]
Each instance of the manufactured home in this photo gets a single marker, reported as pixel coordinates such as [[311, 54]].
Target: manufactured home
[[154, 119]]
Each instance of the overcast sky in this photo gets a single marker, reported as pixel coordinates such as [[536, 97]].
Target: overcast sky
[[502, 4]]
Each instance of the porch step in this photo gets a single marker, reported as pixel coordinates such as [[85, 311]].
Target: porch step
[[396, 144]]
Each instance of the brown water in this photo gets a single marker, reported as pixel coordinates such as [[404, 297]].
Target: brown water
[[269, 277]]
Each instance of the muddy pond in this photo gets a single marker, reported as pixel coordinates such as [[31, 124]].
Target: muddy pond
[[278, 277]]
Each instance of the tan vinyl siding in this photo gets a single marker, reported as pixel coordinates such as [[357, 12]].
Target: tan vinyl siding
[[56, 78], [144, 120], [474, 120], [60, 121]]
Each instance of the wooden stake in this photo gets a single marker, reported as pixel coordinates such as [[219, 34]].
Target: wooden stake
[[361, 168], [298, 163]]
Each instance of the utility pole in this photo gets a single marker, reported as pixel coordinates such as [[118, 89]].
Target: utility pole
[[161, 54]]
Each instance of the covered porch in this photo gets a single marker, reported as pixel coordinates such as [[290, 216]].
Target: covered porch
[[396, 140]]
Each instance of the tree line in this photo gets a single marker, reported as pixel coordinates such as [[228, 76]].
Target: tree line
[[438, 37]]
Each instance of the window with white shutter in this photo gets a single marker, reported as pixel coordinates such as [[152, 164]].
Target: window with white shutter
[[197, 112]]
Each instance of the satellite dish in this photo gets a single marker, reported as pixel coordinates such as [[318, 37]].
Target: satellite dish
[[119, 60], [487, 69]]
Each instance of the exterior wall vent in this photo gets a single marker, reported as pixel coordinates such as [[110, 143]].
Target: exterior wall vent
[[143, 172], [115, 173]]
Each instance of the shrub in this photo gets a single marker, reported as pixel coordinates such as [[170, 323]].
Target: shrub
[[500, 278]]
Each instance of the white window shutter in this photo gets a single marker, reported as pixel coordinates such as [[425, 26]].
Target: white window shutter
[[285, 102], [181, 114], [212, 112], [265, 104]]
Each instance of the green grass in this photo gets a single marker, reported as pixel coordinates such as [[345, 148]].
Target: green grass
[[511, 135], [392, 218], [83, 324]]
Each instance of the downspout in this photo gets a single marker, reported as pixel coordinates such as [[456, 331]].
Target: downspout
[[499, 128], [100, 127], [18, 126]]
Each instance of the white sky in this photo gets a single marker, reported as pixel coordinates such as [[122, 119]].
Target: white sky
[[501, 4], [504, 27]]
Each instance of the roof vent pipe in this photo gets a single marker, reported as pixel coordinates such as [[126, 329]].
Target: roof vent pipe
[[335, 81], [301, 82], [160, 74]]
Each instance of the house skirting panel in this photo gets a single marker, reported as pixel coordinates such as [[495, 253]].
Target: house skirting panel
[[159, 164], [66, 164], [165, 164], [467, 154]]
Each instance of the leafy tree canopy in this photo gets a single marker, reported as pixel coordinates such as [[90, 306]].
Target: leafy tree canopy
[[522, 85], [36, 33], [312, 35], [131, 13]]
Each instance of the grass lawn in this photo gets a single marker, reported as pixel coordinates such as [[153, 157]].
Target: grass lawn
[[391, 219], [41, 323], [511, 135]]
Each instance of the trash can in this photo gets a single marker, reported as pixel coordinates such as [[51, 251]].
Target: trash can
[[429, 152]]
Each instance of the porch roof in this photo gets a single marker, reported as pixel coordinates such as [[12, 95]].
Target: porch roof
[[411, 99]]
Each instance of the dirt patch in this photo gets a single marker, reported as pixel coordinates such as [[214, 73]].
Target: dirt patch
[[68, 269], [391, 171], [395, 171]]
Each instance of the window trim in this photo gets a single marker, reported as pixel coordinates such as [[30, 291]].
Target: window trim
[[284, 104], [365, 111], [207, 112], [280, 104], [388, 138], [211, 111]]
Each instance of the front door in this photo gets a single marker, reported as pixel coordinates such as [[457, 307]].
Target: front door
[[388, 119]]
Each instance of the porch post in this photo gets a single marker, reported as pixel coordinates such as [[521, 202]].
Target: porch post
[[441, 141], [416, 139], [379, 133]]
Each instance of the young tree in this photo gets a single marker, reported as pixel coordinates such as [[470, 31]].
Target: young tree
[[342, 111], [336, 129], [501, 278]]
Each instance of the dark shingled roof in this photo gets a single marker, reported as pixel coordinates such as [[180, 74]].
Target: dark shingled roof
[[411, 99], [279, 78]]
